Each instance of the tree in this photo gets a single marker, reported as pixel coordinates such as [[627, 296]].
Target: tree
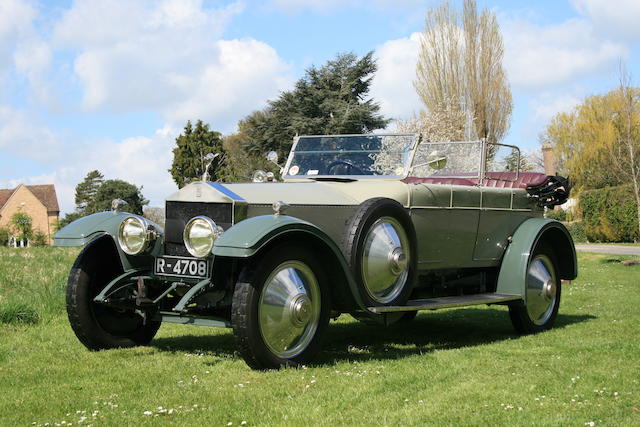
[[155, 214], [22, 225], [97, 198], [442, 123], [240, 164], [191, 148], [625, 150], [332, 99], [598, 142], [117, 189], [87, 189], [460, 68]]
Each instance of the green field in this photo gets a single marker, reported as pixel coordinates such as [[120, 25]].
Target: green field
[[459, 366]]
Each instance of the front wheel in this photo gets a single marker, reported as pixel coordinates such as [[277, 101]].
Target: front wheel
[[280, 308], [542, 294], [99, 327]]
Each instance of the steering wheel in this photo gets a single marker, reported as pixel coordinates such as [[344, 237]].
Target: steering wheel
[[348, 164]]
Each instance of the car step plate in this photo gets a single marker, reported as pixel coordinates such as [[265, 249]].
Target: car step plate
[[447, 302]]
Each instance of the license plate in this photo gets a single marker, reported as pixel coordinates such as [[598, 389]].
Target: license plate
[[182, 267]]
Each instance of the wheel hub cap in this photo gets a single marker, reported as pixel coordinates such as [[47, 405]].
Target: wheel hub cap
[[289, 309], [300, 310], [397, 261], [385, 260], [541, 289]]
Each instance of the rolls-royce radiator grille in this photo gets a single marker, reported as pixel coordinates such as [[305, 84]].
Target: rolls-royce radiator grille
[[179, 213]]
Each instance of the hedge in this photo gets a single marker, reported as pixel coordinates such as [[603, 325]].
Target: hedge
[[610, 214]]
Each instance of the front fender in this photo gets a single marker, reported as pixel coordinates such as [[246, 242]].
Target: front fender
[[87, 229], [513, 270], [248, 237]]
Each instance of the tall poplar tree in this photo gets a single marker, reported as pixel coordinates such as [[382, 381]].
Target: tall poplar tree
[[460, 68]]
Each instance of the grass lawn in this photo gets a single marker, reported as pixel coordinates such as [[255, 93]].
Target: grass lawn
[[459, 366]]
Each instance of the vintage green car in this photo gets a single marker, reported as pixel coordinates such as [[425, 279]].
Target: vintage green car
[[379, 226]]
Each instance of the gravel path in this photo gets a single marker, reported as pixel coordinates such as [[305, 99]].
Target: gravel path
[[610, 249]]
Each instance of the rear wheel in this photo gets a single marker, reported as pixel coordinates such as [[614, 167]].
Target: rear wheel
[[542, 293], [97, 326], [280, 308]]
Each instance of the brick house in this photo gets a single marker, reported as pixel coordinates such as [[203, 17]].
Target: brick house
[[38, 201]]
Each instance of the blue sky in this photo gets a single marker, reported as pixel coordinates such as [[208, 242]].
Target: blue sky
[[109, 84]]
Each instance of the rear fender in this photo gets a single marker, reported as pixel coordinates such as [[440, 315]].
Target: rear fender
[[511, 279], [256, 235], [86, 230]]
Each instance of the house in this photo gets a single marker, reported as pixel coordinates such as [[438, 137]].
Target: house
[[38, 201]]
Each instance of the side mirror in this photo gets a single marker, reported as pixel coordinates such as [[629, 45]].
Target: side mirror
[[436, 160]]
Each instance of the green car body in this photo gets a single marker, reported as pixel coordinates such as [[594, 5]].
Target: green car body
[[451, 241]]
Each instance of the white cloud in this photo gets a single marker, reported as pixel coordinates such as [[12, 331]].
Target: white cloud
[[22, 136], [324, 6], [141, 160], [248, 72], [548, 104], [393, 83], [618, 19], [537, 57], [168, 57], [16, 18]]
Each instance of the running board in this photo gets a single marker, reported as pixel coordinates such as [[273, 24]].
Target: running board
[[447, 302]]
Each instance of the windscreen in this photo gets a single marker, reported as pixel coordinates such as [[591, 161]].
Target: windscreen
[[351, 155]]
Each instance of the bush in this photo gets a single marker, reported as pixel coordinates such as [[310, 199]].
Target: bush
[[576, 229], [557, 214], [610, 214], [39, 239], [5, 236]]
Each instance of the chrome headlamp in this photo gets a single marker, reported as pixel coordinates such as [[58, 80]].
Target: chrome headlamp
[[200, 234], [136, 234]]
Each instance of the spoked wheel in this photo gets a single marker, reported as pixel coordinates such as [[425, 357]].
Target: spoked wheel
[[97, 326], [542, 294], [280, 310], [379, 244]]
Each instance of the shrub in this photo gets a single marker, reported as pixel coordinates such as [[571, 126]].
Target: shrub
[[5, 236], [576, 229], [39, 239], [557, 214], [609, 214]]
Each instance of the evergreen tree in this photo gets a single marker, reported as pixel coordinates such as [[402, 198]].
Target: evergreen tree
[[191, 147], [95, 195], [327, 100], [118, 189], [86, 190]]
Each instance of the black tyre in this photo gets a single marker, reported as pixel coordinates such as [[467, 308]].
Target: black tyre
[[99, 327], [379, 245], [281, 308], [542, 293]]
